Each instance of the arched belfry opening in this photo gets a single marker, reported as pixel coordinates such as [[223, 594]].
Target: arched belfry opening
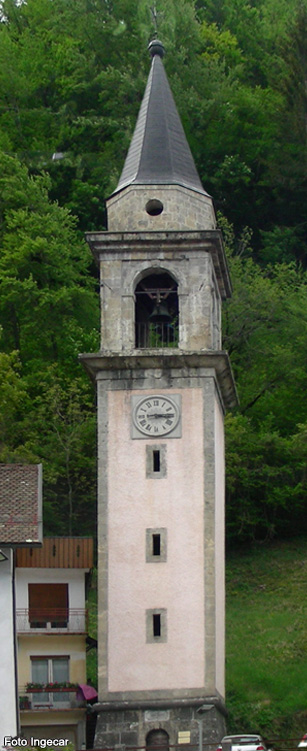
[[157, 739], [156, 311]]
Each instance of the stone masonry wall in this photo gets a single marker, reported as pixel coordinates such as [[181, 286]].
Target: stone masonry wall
[[130, 727], [183, 209]]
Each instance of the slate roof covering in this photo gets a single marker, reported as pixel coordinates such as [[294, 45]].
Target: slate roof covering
[[159, 152], [20, 504]]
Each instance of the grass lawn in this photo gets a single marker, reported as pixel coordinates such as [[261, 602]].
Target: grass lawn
[[266, 663]]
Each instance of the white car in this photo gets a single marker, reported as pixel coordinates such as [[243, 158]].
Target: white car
[[303, 742], [242, 743]]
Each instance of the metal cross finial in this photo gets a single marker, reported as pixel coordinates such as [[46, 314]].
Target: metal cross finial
[[155, 16]]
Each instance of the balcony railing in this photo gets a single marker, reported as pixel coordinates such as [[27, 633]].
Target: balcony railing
[[40, 620], [57, 698], [156, 335]]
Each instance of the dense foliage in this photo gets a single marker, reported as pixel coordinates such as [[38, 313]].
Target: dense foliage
[[72, 75]]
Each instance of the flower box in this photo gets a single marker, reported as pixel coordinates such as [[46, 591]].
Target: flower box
[[47, 687]]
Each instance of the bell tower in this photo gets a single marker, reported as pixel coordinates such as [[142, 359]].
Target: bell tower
[[163, 384]]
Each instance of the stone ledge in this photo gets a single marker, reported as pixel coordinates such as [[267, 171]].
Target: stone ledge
[[119, 706], [187, 241], [138, 360]]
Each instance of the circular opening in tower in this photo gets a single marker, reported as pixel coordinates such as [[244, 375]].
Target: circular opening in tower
[[154, 207]]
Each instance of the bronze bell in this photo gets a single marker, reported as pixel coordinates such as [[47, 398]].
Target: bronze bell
[[160, 314]]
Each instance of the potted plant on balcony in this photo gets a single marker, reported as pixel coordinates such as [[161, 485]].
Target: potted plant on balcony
[[24, 702]]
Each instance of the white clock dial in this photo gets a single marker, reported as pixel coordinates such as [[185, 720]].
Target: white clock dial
[[156, 415]]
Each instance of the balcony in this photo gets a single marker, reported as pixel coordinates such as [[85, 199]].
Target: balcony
[[50, 697], [56, 620]]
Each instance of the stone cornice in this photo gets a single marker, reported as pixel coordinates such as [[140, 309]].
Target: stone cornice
[[156, 704], [170, 244], [138, 360]]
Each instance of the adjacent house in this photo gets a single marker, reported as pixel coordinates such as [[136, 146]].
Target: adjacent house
[[51, 626], [20, 526]]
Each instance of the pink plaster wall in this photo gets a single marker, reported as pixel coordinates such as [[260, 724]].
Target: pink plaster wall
[[136, 503], [220, 548]]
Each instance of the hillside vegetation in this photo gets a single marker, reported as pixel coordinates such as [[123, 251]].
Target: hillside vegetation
[[266, 663]]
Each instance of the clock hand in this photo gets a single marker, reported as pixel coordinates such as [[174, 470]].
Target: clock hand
[[164, 414]]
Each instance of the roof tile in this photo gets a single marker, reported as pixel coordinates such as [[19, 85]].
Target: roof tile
[[20, 504]]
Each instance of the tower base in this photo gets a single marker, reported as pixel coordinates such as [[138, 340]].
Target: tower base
[[148, 725]]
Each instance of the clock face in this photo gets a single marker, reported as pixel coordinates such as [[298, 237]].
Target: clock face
[[156, 415]]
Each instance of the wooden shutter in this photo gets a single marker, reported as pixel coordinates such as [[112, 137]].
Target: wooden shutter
[[48, 602]]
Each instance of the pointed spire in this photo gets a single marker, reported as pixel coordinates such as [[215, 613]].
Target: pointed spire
[[159, 153]]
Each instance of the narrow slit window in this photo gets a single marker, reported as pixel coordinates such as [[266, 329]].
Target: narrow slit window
[[156, 544], [156, 623], [156, 626], [156, 461]]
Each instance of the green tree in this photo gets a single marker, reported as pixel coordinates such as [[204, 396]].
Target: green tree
[[47, 304], [49, 311], [264, 495], [265, 331], [61, 432], [14, 401]]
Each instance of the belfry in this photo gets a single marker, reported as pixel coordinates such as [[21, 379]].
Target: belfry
[[163, 384]]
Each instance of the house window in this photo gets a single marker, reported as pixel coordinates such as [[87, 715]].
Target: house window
[[48, 670], [48, 605]]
